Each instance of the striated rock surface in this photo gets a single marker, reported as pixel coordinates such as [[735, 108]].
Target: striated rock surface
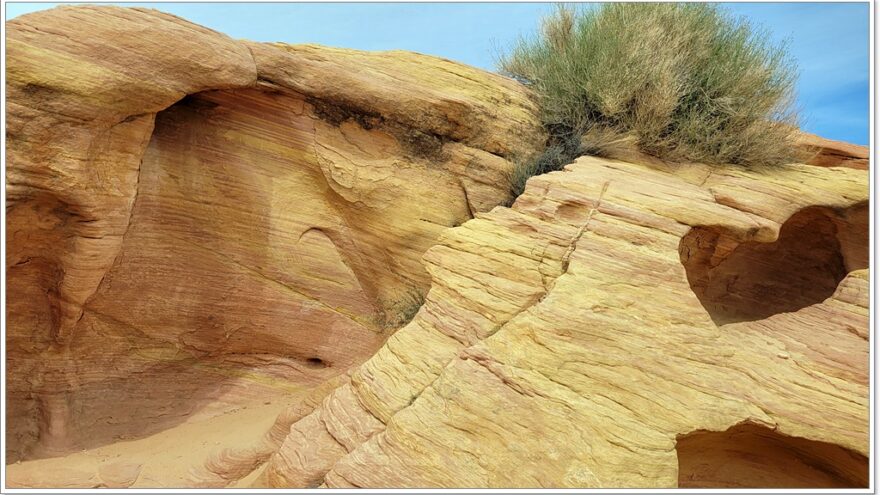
[[829, 153], [210, 249], [194, 228], [581, 337]]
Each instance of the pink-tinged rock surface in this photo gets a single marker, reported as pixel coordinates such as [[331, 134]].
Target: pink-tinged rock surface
[[830, 153], [580, 337], [193, 230], [211, 248]]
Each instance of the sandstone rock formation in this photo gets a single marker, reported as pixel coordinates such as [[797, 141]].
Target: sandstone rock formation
[[829, 153], [199, 231], [580, 337], [181, 219]]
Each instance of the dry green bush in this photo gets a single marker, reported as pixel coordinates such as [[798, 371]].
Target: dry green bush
[[681, 81]]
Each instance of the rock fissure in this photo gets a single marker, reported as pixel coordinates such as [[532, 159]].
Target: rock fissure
[[573, 244]]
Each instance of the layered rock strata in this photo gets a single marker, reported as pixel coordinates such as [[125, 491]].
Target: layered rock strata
[[580, 336], [195, 220], [201, 231], [830, 153]]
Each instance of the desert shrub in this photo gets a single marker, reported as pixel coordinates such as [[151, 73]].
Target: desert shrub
[[561, 150], [557, 154], [681, 81]]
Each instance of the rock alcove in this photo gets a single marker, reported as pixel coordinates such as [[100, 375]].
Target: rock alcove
[[746, 281], [270, 240], [754, 456]]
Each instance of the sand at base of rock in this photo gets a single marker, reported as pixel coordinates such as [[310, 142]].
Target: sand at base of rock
[[165, 458]]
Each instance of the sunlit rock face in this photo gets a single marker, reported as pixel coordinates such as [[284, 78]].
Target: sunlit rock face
[[214, 253], [829, 153], [591, 345], [192, 229]]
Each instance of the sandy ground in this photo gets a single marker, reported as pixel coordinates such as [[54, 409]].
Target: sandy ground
[[163, 459]]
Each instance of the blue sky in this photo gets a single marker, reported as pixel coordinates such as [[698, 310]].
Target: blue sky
[[829, 40]]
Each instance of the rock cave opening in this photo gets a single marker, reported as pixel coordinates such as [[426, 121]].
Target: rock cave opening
[[753, 456], [314, 362], [747, 281], [242, 280]]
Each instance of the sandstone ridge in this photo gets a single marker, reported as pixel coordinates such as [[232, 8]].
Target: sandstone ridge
[[226, 236], [580, 336]]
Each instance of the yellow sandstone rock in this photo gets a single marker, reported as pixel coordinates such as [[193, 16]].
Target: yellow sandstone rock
[[193, 226], [208, 235], [829, 153], [579, 337]]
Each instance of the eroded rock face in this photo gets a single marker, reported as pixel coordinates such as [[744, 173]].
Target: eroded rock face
[[193, 228], [829, 153], [572, 337], [233, 222], [804, 266], [764, 458]]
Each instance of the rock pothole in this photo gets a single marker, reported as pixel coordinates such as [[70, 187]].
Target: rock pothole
[[753, 456], [747, 281]]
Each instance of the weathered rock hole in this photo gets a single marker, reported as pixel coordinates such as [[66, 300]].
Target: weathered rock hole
[[315, 362], [752, 456], [746, 281]]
